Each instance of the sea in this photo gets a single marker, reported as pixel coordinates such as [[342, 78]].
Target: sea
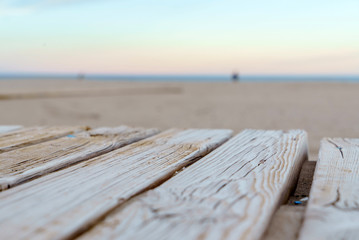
[[185, 78]]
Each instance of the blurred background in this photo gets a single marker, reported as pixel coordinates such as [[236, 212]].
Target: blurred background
[[154, 37], [205, 64]]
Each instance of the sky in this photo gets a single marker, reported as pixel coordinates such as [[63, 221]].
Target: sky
[[180, 36]]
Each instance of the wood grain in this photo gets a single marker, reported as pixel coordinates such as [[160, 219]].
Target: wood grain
[[65, 203], [29, 136], [231, 193], [8, 128], [22, 164], [333, 207]]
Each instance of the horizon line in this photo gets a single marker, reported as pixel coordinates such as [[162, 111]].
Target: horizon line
[[2, 74]]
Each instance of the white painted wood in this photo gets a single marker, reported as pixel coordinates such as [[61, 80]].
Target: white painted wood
[[333, 207], [25, 163], [29, 136], [8, 128], [64, 203], [231, 193]]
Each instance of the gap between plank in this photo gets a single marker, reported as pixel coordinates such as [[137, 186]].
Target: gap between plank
[[157, 183], [288, 219]]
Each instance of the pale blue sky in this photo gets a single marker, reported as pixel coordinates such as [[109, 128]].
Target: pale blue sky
[[185, 37]]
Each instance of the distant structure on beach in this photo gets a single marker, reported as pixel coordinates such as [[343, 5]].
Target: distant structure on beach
[[235, 77]]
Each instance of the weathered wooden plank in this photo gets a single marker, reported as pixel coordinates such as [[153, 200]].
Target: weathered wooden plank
[[333, 207], [231, 193], [29, 136], [22, 164], [8, 128], [64, 203]]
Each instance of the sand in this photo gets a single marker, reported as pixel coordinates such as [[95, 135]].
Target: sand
[[322, 109]]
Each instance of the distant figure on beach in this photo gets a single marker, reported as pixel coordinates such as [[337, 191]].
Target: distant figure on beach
[[80, 76], [235, 77]]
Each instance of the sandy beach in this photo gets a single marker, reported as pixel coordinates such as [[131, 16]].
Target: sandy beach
[[322, 109]]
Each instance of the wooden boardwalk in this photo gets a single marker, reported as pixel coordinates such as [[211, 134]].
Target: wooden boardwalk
[[135, 183]]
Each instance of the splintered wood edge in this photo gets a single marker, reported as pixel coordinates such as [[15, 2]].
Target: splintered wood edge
[[191, 143], [301, 155], [9, 128], [24, 132], [132, 134]]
